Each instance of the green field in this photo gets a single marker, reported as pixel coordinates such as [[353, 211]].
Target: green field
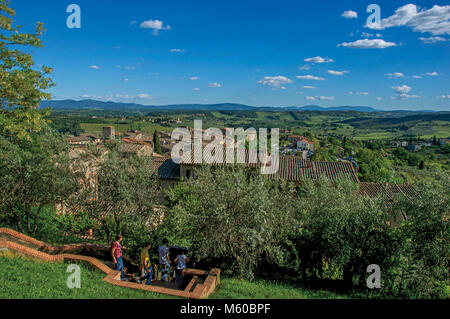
[[97, 128], [24, 278], [363, 126]]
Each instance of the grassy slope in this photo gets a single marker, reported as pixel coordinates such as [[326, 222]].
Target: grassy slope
[[241, 289], [23, 278]]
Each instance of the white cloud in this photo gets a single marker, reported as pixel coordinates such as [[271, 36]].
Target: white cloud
[[368, 44], [431, 40], [394, 75], [156, 25], [177, 50], [277, 82], [320, 98], [144, 96], [193, 78], [445, 97], [319, 59], [121, 96], [416, 76], [308, 87], [379, 98], [402, 92], [309, 77], [195, 89], [95, 67], [402, 89], [349, 14], [337, 72], [431, 73], [304, 67], [435, 20], [126, 79], [359, 93], [214, 85], [369, 35]]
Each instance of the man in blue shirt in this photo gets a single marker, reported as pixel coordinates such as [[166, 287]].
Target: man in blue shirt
[[164, 259], [181, 261]]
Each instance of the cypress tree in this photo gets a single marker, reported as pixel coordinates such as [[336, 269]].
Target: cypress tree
[[156, 143]]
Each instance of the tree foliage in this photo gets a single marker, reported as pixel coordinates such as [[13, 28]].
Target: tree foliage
[[233, 217], [34, 174], [340, 231], [21, 86], [156, 142], [118, 192]]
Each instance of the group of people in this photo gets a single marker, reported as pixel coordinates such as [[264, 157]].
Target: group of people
[[145, 267]]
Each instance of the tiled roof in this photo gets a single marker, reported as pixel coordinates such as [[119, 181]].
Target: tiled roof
[[306, 141], [295, 168], [388, 191], [82, 138], [291, 168], [210, 158], [139, 136], [165, 167], [136, 141], [131, 148]]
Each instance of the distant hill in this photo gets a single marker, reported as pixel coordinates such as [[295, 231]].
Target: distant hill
[[334, 108], [386, 122], [99, 105]]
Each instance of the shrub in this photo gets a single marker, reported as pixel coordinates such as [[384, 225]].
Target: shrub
[[234, 216], [341, 232]]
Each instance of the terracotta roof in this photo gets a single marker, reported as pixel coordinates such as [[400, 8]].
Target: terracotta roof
[[131, 148], [136, 141], [210, 158], [82, 138], [291, 168], [295, 168], [306, 141], [138, 135], [388, 191], [165, 167]]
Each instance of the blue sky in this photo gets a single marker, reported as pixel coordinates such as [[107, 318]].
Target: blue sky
[[277, 53]]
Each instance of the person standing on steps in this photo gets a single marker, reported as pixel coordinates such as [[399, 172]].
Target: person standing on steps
[[181, 262], [164, 259], [116, 253], [146, 267]]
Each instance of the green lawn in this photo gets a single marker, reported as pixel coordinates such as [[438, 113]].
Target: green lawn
[[25, 278], [241, 289]]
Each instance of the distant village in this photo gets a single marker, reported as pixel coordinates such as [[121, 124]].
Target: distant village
[[416, 146], [293, 168]]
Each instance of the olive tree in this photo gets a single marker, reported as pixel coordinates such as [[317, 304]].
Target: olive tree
[[341, 231], [118, 192], [233, 217], [34, 174]]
